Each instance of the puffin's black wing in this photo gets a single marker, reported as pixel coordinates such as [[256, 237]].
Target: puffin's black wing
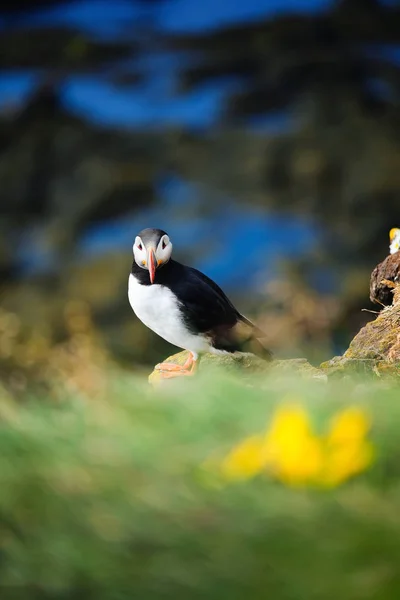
[[206, 309], [224, 298], [257, 332], [204, 305]]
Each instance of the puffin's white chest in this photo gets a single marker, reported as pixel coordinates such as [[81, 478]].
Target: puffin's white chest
[[157, 307]]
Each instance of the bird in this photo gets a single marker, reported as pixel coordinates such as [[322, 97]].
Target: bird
[[387, 273], [183, 306]]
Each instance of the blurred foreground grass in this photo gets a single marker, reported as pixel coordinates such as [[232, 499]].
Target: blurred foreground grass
[[118, 496]]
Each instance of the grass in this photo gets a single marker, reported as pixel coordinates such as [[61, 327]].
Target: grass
[[111, 499]]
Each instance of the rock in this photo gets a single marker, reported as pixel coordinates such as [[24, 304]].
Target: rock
[[375, 350], [297, 366], [247, 364], [340, 366], [382, 280], [244, 361], [379, 339]]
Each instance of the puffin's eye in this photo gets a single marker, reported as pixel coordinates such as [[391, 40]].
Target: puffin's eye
[[164, 245], [140, 246]]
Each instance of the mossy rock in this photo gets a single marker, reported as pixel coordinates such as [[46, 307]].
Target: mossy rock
[[380, 339], [297, 366], [375, 350], [341, 366], [246, 364]]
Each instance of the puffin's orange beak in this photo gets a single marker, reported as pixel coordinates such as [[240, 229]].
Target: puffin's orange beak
[[151, 264]]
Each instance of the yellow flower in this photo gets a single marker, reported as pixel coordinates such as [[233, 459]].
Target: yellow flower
[[347, 451], [301, 465], [289, 423], [288, 450], [345, 461], [246, 460], [292, 452], [350, 424]]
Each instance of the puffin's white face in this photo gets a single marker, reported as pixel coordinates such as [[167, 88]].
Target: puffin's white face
[[394, 240], [151, 252]]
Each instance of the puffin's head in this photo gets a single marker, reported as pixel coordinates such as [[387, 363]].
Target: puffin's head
[[394, 236], [151, 250]]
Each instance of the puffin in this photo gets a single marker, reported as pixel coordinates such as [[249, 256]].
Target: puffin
[[184, 306], [387, 273]]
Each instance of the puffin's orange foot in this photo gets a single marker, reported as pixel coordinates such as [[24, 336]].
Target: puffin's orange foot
[[173, 374], [169, 370], [169, 367]]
